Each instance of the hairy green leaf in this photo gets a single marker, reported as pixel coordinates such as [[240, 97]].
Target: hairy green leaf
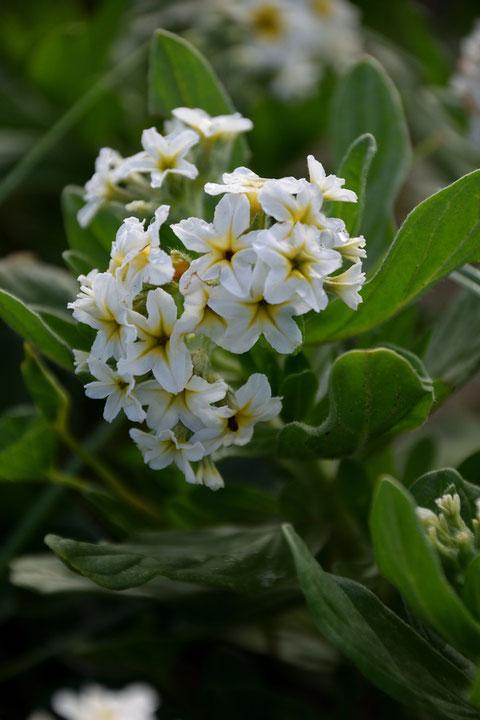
[[386, 650], [49, 396], [373, 394], [27, 446]]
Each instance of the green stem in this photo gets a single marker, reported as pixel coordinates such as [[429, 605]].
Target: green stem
[[106, 475], [69, 481]]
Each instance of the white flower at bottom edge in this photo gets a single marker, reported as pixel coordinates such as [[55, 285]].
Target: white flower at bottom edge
[[93, 702], [347, 285], [251, 316], [330, 185], [192, 406], [158, 348], [219, 126], [162, 155], [136, 257], [227, 252], [297, 264], [118, 388], [250, 404], [164, 448], [207, 474], [102, 185]]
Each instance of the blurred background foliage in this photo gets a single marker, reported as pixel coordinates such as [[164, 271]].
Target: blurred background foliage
[[73, 79]]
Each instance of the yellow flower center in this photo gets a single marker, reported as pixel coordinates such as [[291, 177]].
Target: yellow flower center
[[324, 8], [268, 22]]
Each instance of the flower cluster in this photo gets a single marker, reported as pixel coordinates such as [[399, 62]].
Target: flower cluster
[[270, 254], [290, 41], [449, 532], [466, 82], [94, 702]]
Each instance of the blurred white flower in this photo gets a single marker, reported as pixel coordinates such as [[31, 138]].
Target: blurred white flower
[[102, 186], [165, 448], [162, 155], [211, 128], [93, 702]]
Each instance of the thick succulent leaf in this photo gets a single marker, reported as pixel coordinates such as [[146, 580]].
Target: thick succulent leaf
[[386, 650], [373, 394], [378, 110], [27, 323], [406, 557], [439, 235], [245, 560]]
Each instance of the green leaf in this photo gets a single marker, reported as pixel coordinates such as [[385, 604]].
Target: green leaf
[[440, 234], [453, 353], [373, 394], [406, 558], [49, 397], [179, 76], [77, 262], [386, 650], [471, 587], [74, 334], [27, 323], [83, 240], [27, 446], [35, 282], [354, 168], [366, 101], [298, 391], [245, 560], [420, 458], [434, 484]]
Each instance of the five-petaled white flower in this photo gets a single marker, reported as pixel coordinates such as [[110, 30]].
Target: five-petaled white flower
[[118, 388], [227, 251], [252, 316], [244, 181], [192, 406], [330, 185], [250, 404], [158, 347], [102, 186], [136, 257], [219, 126], [107, 312], [162, 155], [298, 264], [197, 316], [164, 448], [347, 285], [93, 702]]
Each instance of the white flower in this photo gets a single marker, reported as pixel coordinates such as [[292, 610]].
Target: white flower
[[135, 702], [250, 404], [297, 264], [347, 285], [228, 254], [330, 185], [80, 361], [244, 181], [158, 349], [117, 387], [351, 248], [162, 156], [136, 257], [220, 126], [192, 406], [108, 313], [207, 474], [165, 448], [252, 316], [304, 207], [197, 316], [102, 186]]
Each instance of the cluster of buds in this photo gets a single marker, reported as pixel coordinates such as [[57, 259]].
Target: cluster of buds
[[267, 257], [93, 702], [448, 531]]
